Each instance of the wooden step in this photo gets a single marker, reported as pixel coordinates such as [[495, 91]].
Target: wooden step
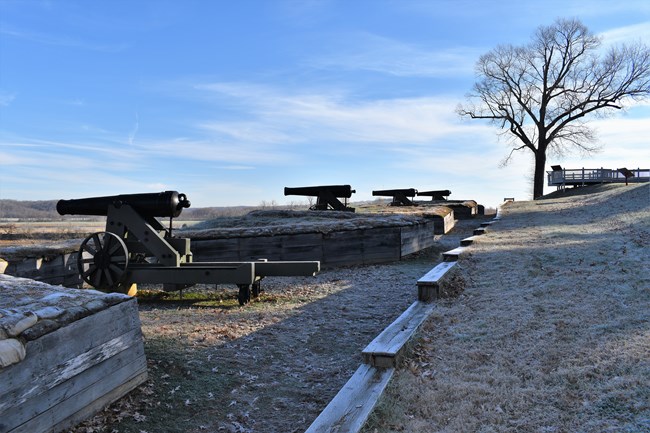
[[452, 255], [429, 284], [384, 351], [468, 241], [479, 231], [349, 409]]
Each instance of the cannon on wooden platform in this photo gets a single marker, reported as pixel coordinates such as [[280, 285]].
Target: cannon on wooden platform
[[137, 248], [400, 196], [441, 194], [327, 196]]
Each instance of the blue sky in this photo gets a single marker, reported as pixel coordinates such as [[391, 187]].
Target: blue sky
[[230, 101]]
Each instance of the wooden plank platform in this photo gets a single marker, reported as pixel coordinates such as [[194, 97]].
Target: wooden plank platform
[[429, 284], [350, 408], [452, 255], [385, 349]]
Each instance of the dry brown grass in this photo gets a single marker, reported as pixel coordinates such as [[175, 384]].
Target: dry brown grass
[[551, 333]]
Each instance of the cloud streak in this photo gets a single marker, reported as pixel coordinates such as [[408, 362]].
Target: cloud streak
[[375, 53], [293, 117]]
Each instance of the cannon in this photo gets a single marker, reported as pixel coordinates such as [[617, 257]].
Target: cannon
[[326, 196], [441, 194], [136, 248], [400, 196]]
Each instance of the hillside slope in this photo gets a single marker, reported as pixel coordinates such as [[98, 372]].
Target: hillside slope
[[552, 333]]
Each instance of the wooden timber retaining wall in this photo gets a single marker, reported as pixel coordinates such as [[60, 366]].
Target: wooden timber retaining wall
[[57, 268], [64, 354], [339, 248]]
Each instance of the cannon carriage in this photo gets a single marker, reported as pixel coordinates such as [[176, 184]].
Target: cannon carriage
[[400, 196], [136, 248]]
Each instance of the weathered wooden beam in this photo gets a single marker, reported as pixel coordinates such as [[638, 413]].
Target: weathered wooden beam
[[350, 408], [468, 241], [385, 349], [452, 255], [479, 231], [429, 284]]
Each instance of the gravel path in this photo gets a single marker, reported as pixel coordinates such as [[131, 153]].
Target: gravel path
[[273, 365]]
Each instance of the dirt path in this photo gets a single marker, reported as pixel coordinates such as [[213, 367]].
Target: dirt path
[[271, 366]]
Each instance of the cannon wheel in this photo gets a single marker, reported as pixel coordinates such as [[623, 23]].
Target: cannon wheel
[[102, 261], [244, 296]]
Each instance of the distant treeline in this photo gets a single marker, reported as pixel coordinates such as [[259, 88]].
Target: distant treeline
[[46, 210], [43, 209]]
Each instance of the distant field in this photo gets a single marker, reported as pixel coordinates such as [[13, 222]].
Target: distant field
[[17, 232]]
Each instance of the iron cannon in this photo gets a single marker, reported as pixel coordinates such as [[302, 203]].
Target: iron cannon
[[136, 248], [326, 196], [400, 196], [161, 204], [441, 194]]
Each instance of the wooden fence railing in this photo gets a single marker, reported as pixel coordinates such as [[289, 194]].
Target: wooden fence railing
[[587, 176]]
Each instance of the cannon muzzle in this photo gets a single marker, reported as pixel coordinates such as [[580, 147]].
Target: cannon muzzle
[[160, 204]]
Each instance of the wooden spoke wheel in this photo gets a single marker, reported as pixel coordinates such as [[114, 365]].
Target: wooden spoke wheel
[[102, 261]]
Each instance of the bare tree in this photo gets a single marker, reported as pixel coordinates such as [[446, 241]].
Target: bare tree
[[540, 94]]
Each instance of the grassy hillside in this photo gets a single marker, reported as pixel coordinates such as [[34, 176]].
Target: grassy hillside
[[551, 333]]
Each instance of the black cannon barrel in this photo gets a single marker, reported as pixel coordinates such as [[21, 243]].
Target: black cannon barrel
[[157, 204], [436, 193], [408, 192], [336, 190]]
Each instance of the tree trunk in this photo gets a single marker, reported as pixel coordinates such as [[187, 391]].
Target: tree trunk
[[540, 173]]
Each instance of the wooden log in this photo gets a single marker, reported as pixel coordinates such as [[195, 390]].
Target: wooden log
[[350, 408], [385, 350], [429, 284], [452, 255]]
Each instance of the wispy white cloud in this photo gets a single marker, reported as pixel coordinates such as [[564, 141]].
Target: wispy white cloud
[[596, 8], [78, 102], [61, 40], [630, 34], [208, 150], [369, 52], [134, 131], [287, 117], [6, 98]]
